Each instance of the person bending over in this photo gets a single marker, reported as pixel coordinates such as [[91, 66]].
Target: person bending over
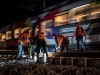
[[41, 43], [22, 40], [62, 42]]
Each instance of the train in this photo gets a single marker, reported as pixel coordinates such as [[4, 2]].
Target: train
[[58, 19]]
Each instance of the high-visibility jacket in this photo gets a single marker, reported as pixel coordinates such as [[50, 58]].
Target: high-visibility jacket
[[59, 38], [40, 36], [79, 32], [23, 38]]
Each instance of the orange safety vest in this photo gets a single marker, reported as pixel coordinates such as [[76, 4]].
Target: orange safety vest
[[23, 37], [41, 36], [79, 32], [60, 39]]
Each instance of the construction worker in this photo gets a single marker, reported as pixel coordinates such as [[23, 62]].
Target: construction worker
[[22, 40], [62, 42], [41, 43], [31, 45], [79, 33]]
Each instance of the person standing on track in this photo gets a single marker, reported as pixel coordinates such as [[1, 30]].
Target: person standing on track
[[79, 33], [22, 40]]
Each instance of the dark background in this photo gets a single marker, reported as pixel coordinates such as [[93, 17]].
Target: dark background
[[14, 10]]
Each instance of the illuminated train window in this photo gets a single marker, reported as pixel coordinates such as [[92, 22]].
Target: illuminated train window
[[81, 12], [17, 33], [46, 27], [24, 29], [84, 12], [3, 37], [61, 19], [78, 14], [94, 11], [8, 35], [0, 36]]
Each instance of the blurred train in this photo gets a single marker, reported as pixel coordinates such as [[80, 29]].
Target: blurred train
[[59, 19]]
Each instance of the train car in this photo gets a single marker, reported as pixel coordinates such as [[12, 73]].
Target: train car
[[60, 19], [10, 33]]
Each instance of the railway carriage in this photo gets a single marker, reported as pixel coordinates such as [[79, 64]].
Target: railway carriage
[[60, 19]]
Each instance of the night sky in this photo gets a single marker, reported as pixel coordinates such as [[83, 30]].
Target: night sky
[[15, 10]]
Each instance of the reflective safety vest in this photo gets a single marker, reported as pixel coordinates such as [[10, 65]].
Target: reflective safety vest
[[60, 39], [41, 36], [79, 32], [23, 37]]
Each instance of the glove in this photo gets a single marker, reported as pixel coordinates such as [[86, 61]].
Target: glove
[[57, 48], [34, 46]]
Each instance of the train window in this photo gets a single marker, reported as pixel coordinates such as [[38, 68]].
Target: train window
[[71, 16], [3, 37], [17, 33], [0, 36], [61, 19], [8, 35], [85, 12], [81, 12], [24, 29], [46, 27], [94, 11]]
